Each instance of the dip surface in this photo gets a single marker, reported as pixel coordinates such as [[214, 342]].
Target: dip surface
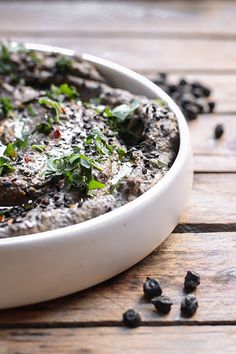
[[72, 147]]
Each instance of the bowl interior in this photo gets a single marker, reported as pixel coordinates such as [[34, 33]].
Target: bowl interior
[[123, 78]]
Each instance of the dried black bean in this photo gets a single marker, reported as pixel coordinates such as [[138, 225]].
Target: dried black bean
[[131, 318], [193, 97], [211, 106], [182, 82], [152, 288], [162, 304], [189, 305], [189, 114], [191, 281], [219, 131]]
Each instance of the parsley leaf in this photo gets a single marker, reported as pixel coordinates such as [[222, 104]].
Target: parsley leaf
[[99, 141], [10, 151], [5, 106], [64, 64], [130, 127], [93, 184], [63, 90], [51, 104], [31, 110], [39, 148], [45, 127], [5, 166], [157, 163], [77, 171], [6, 64], [11, 148], [122, 112]]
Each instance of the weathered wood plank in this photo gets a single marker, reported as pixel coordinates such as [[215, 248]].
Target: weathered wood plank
[[211, 163], [202, 130], [212, 199], [152, 54], [212, 155], [175, 17], [213, 255], [165, 340]]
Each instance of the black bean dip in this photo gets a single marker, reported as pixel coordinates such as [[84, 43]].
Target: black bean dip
[[71, 146]]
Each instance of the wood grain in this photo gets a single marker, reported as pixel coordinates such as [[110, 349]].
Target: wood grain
[[196, 39], [212, 199], [213, 255], [211, 155], [151, 54], [134, 17], [165, 340]]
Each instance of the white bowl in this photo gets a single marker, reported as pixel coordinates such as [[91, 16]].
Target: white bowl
[[55, 263]]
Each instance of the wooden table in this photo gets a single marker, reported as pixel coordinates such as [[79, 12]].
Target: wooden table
[[195, 39]]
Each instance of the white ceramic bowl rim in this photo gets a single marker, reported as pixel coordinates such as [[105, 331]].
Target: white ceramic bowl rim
[[141, 200]]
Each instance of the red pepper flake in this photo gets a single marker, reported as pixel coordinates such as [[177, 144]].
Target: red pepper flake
[[27, 159], [56, 134], [2, 218], [63, 110]]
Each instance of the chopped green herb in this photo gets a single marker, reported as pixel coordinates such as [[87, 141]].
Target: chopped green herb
[[11, 148], [21, 143], [63, 90], [121, 119], [100, 143], [5, 166], [31, 110], [39, 148], [5, 106], [51, 104], [5, 53], [10, 151], [77, 171], [6, 64], [45, 127], [34, 57], [157, 163], [107, 112], [121, 152], [93, 184], [122, 112], [63, 64]]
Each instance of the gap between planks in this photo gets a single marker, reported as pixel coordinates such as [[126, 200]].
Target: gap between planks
[[204, 227], [104, 304], [95, 324]]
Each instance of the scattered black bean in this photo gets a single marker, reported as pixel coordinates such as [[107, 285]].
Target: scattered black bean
[[131, 318], [211, 106], [219, 131], [191, 281], [189, 305], [162, 304], [193, 98], [151, 288]]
